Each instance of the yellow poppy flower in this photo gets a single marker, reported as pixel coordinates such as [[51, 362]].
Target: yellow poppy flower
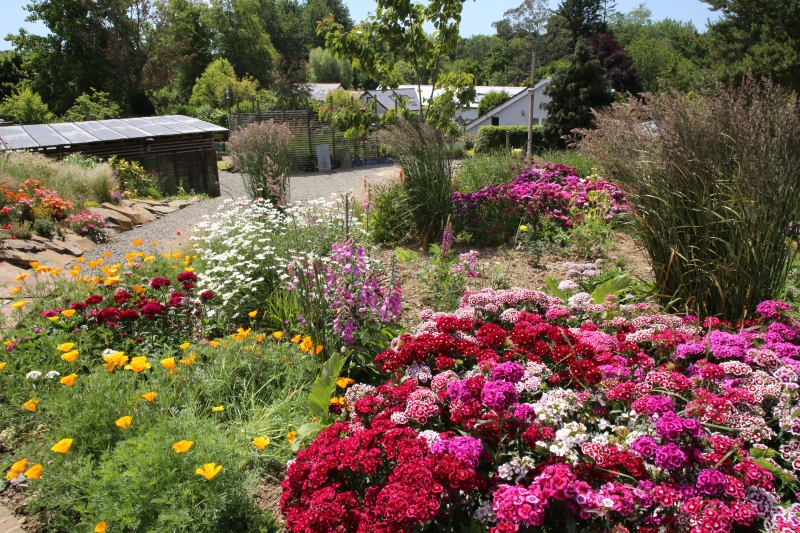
[[290, 437], [252, 314], [52, 318], [278, 335], [189, 360], [34, 472], [138, 364], [523, 228], [70, 356], [62, 446], [185, 345], [65, 347], [344, 382], [137, 242], [69, 381], [213, 344], [260, 442], [149, 259], [80, 259], [297, 338], [149, 396], [19, 304], [9, 342], [34, 264], [260, 337], [124, 422], [106, 254], [111, 280], [318, 349], [153, 243], [68, 312], [188, 269], [30, 405], [217, 408], [16, 289], [20, 466], [3, 365], [169, 364], [306, 345], [138, 289], [208, 471], [117, 359], [55, 271], [182, 446], [19, 277], [100, 527]]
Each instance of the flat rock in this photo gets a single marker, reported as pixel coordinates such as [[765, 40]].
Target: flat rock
[[54, 259], [151, 202], [74, 240], [129, 212], [193, 199], [24, 245], [160, 210], [180, 204], [117, 218], [63, 247], [17, 258], [143, 214]]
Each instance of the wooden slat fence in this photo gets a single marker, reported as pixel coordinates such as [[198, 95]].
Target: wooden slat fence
[[308, 132]]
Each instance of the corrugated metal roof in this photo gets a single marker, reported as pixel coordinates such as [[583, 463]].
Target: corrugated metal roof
[[71, 133]]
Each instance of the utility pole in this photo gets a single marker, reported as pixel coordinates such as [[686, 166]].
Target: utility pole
[[530, 106]]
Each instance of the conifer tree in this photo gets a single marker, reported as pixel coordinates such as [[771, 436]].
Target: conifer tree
[[576, 89], [584, 17]]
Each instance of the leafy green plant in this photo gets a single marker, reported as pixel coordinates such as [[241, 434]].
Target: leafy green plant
[[319, 399], [387, 217], [404, 255], [493, 138], [446, 276], [713, 182], [134, 179], [492, 168], [614, 286], [261, 153], [44, 227], [21, 230]]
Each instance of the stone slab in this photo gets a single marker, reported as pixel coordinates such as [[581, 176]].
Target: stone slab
[[124, 222], [73, 240], [160, 210], [180, 204], [144, 214], [54, 259], [17, 258], [129, 212], [23, 245], [151, 202]]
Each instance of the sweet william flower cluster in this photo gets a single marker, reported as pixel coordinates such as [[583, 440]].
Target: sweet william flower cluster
[[497, 418]]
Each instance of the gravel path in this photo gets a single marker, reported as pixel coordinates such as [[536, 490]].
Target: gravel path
[[173, 231]]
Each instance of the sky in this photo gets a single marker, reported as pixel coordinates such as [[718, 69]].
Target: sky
[[477, 17]]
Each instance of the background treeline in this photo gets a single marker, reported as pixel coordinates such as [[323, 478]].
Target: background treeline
[[140, 57]]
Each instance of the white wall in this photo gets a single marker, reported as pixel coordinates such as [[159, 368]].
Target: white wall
[[515, 113]]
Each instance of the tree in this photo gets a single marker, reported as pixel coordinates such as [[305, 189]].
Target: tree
[[25, 107], [240, 38], [102, 44], [575, 91], [218, 77], [324, 68], [758, 35], [625, 26], [660, 67], [622, 75], [584, 17], [12, 73], [395, 28], [491, 100], [94, 106]]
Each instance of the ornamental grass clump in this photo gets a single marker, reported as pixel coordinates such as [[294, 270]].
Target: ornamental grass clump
[[713, 181], [261, 152], [422, 154]]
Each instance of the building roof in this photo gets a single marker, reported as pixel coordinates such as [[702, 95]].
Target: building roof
[[514, 98], [71, 133], [318, 91], [387, 98], [480, 91]]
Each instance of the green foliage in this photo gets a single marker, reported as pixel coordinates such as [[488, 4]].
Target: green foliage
[[135, 179], [489, 168], [713, 193], [584, 17], [261, 153], [218, 77], [610, 287], [387, 218], [491, 138], [660, 67], [491, 100], [576, 91], [324, 68], [324, 385], [445, 283], [12, 73], [94, 106], [421, 152], [405, 255], [214, 115], [44, 227], [540, 237], [583, 165], [25, 107], [347, 114]]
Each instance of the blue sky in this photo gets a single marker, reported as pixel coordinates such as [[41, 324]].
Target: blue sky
[[478, 14]]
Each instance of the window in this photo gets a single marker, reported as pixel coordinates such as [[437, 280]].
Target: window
[[495, 121]]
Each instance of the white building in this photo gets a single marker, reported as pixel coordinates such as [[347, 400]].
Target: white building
[[386, 100], [514, 111], [467, 115], [319, 91]]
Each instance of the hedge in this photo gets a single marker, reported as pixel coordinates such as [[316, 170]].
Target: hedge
[[491, 138]]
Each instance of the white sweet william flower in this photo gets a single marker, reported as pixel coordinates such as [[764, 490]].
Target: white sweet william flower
[[33, 375], [52, 374]]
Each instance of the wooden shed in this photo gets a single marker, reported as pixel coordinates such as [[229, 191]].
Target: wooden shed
[[179, 148]]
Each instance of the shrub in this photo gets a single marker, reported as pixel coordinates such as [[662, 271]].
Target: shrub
[[491, 100], [492, 168], [94, 106], [388, 222], [541, 414], [583, 166], [446, 275], [44, 226], [421, 152], [261, 153], [25, 107], [134, 179], [90, 225], [491, 138], [713, 181]]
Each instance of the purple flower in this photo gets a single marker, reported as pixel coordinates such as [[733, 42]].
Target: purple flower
[[644, 446], [669, 426], [711, 482], [509, 371], [466, 449], [498, 395], [670, 457]]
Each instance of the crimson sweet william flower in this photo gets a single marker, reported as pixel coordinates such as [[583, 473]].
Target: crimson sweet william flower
[[157, 283], [94, 299], [206, 295]]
